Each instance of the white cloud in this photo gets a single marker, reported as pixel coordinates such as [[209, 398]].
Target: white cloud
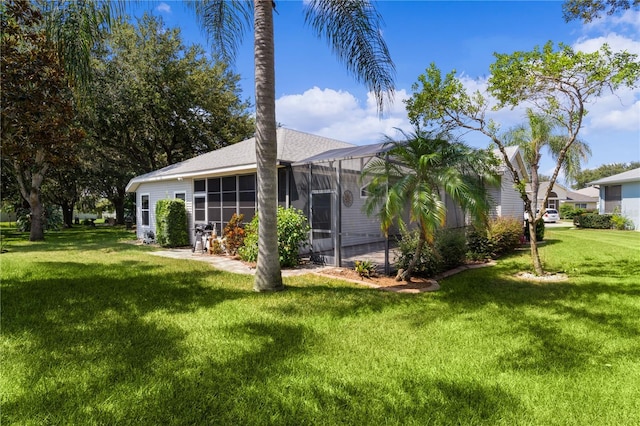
[[340, 115], [163, 7], [616, 42]]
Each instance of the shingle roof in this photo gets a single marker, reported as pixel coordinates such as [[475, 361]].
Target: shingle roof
[[292, 146], [628, 176]]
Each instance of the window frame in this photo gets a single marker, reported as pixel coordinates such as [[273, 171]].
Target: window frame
[[147, 209]]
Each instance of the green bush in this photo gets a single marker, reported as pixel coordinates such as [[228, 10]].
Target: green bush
[[501, 236], [447, 252], [540, 227], [505, 234], [52, 219], [293, 229], [593, 221], [171, 223], [451, 245], [567, 211], [429, 263]]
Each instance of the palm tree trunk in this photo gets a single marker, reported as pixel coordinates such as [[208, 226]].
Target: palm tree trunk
[[268, 274], [406, 274]]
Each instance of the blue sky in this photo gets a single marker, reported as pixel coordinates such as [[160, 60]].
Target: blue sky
[[315, 93]]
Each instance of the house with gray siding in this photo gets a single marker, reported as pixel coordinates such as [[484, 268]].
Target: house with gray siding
[[621, 194], [317, 175], [506, 199]]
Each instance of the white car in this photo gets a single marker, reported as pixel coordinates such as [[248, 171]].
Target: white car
[[551, 216]]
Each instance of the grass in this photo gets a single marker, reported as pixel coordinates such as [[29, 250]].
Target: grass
[[95, 331]]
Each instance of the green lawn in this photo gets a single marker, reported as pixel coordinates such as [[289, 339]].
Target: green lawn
[[100, 332]]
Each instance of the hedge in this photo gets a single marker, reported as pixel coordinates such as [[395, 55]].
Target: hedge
[[593, 220], [171, 223]]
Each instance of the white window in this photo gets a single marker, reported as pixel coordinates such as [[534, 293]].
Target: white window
[[364, 191], [144, 209], [180, 196]]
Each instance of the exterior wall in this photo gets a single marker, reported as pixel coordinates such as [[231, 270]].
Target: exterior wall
[[590, 205], [495, 195], [511, 205], [158, 191], [631, 202]]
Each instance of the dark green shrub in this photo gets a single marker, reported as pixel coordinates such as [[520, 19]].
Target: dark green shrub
[[430, 261], [540, 230], [293, 229], [171, 223], [479, 246], [451, 245], [593, 220]]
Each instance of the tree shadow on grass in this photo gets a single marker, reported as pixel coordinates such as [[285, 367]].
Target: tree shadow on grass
[[83, 330]]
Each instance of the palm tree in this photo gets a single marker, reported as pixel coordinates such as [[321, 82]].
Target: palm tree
[[416, 173], [532, 139], [352, 28]]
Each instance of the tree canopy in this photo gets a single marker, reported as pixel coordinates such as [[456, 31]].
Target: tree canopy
[[39, 127], [588, 10], [557, 83]]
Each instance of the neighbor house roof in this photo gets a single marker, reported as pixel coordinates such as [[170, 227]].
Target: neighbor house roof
[[628, 176], [292, 146]]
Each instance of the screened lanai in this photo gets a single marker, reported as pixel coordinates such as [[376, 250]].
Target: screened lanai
[[329, 190]]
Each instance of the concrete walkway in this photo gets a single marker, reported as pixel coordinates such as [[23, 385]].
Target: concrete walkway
[[225, 263]]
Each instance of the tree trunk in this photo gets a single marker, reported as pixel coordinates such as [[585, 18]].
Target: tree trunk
[[533, 243], [37, 216], [268, 275], [67, 214]]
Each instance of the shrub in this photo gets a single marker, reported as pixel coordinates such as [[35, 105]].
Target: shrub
[[593, 220], [540, 230], [504, 234], [429, 263], [52, 219], [171, 223], [451, 245], [567, 211], [293, 229], [234, 234], [501, 236], [366, 268], [447, 252]]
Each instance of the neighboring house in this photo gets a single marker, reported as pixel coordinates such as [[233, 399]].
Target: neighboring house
[[586, 199], [621, 193], [317, 175]]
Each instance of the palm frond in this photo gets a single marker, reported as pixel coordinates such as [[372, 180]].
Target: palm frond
[[224, 23], [352, 29]]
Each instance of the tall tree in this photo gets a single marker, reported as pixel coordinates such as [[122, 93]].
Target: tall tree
[[588, 10], [416, 173], [556, 83], [38, 117], [352, 28], [153, 102]]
